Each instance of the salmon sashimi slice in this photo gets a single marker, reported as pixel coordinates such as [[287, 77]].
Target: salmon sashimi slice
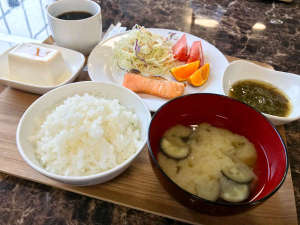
[[158, 87]]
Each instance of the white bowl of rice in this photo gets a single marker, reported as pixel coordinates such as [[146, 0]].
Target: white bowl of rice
[[83, 133]]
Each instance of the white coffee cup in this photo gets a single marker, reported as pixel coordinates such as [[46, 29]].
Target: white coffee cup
[[81, 35]]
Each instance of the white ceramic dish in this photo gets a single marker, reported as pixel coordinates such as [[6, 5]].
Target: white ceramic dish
[[74, 60], [42, 105], [288, 83], [100, 66]]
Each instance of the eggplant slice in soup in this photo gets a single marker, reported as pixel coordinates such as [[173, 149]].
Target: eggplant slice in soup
[[232, 191], [238, 172], [174, 142]]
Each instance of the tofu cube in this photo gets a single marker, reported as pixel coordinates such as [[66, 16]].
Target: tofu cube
[[34, 64]]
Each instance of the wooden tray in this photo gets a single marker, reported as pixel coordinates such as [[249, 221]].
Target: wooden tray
[[138, 187]]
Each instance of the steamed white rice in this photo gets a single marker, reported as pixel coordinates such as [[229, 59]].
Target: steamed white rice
[[86, 135]]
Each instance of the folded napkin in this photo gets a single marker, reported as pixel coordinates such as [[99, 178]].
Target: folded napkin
[[113, 30]]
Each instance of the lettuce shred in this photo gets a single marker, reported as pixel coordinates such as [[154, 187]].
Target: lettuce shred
[[145, 51]]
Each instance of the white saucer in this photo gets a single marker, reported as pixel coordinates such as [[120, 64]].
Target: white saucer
[[74, 60]]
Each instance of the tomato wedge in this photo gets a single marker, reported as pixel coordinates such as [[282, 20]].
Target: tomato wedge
[[180, 49], [196, 53]]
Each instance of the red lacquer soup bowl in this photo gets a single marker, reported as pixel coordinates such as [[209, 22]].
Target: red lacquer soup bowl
[[221, 111]]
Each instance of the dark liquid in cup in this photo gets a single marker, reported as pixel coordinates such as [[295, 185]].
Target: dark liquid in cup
[[75, 15]]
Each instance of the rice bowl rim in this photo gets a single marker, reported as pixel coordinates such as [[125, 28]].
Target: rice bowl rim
[[92, 176]]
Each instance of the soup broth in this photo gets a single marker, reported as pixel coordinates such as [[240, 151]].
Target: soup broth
[[218, 165], [262, 96]]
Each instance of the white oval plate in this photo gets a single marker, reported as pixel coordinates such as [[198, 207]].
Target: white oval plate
[[100, 66], [74, 60]]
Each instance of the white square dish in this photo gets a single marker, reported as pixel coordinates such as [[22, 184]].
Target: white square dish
[[74, 61]]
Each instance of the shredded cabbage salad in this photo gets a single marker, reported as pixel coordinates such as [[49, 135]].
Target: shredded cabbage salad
[[145, 51]]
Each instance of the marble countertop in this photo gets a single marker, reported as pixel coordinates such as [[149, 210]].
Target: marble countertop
[[266, 31]]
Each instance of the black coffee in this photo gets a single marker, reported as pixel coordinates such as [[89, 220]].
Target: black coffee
[[75, 15]]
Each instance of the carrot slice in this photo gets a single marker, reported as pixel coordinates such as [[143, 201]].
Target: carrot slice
[[200, 76], [180, 49], [181, 73]]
